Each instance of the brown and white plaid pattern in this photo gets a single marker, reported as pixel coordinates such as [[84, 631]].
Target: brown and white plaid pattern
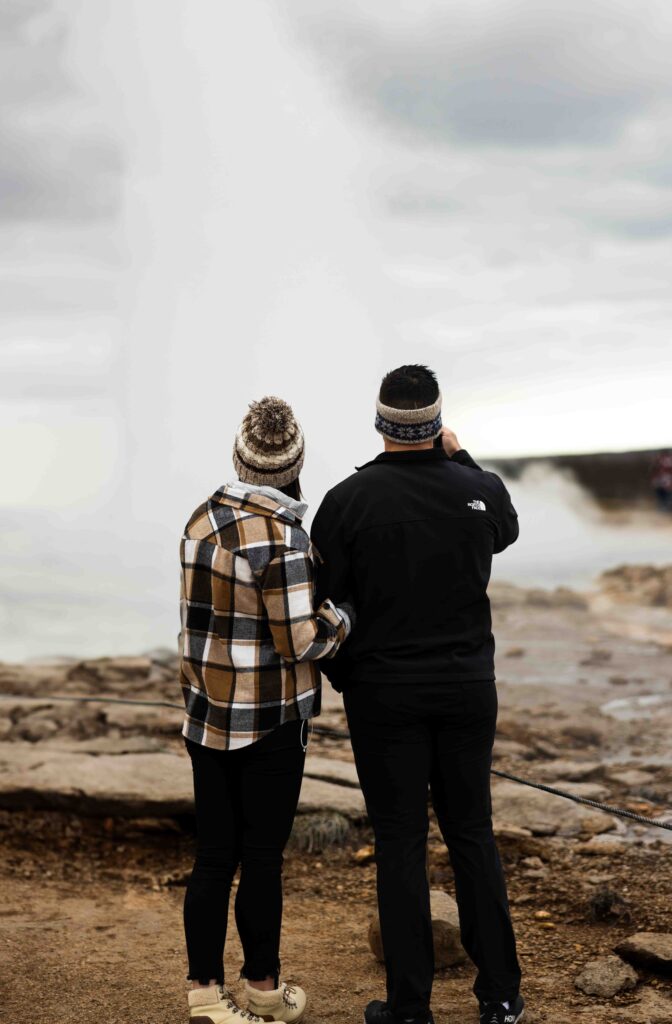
[[250, 636]]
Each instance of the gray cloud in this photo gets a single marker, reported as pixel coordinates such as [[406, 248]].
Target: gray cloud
[[537, 120], [56, 162], [519, 74]]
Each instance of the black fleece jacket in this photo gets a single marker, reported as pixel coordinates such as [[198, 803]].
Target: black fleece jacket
[[409, 538]]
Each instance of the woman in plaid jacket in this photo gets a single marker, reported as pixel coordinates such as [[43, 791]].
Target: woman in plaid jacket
[[250, 639]]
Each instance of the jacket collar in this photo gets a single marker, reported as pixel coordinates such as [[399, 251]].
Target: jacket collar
[[261, 500], [409, 457]]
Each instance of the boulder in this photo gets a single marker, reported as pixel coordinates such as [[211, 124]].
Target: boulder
[[448, 949], [652, 950], [544, 814], [605, 977]]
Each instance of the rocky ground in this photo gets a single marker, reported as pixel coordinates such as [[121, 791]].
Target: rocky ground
[[96, 832]]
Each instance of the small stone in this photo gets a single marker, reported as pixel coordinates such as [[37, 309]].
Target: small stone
[[514, 652], [503, 830], [510, 748], [606, 905], [37, 727], [652, 950], [570, 770], [364, 855], [598, 656], [542, 915], [533, 863], [448, 949], [583, 734], [633, 778], [603, 846], [605, 977]]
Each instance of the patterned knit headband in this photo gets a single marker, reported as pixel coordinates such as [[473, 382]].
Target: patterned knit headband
[[409, 426]]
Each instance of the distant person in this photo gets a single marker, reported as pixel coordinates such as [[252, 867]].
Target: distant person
[[250, 637], [661, 480], [411, 536]]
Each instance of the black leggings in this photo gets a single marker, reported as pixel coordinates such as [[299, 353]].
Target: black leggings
[[246, 800]]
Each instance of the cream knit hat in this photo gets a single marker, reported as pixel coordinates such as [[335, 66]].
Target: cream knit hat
[[269, 444]]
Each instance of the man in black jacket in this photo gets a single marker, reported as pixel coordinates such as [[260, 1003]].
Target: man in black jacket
[[410, 537]]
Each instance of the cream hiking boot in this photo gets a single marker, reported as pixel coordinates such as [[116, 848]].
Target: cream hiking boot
[[215, 1005], [286, 1003]]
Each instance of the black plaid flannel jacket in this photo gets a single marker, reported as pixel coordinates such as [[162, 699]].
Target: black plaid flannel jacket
[[250, 635]]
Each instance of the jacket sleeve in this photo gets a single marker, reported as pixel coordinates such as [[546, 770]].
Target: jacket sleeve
[[332, 555], [299, 632], [507, 527], [464, 458]]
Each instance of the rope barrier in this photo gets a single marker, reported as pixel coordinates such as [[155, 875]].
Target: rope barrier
[[341, 734]]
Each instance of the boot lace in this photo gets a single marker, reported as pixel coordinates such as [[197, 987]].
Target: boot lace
[[231, 1004], [288, 991]]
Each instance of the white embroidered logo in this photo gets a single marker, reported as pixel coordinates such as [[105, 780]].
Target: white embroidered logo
[[479, 506]]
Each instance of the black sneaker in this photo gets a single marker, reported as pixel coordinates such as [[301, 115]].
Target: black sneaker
[[378, 1012], [496, 1013]]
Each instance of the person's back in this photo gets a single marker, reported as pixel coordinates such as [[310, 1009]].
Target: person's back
[[410, 539], [419, 529]]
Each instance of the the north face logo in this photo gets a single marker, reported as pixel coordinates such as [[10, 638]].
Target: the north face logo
[[479, 506]]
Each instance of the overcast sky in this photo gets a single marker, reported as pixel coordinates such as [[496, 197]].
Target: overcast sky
[[203, 203]]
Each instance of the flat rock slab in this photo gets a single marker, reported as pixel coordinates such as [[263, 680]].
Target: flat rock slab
[[652, 950], [652, 1008], [129, 785], [544, 814], [606, 976], [342, 773], [317, 795]]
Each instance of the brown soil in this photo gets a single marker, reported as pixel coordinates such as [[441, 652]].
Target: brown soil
[[90, 923]]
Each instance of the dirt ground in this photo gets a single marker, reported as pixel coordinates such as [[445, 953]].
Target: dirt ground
[[90, 917], [90, 931]]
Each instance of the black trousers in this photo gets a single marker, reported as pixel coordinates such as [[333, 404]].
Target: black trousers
[[406, 738], [246, 800]]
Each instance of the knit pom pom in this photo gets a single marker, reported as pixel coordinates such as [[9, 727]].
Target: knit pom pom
[[271, 419]]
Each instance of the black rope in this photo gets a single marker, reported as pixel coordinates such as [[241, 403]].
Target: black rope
[[341, 734], [584, 800]]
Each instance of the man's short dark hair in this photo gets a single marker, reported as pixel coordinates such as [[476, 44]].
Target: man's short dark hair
[[409, 387]]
